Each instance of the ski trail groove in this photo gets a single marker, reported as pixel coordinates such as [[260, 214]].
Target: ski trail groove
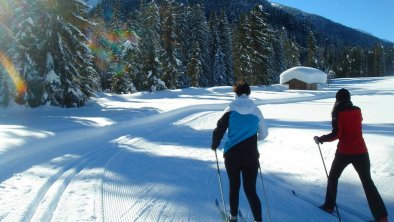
[[141, 198], [49, 194]]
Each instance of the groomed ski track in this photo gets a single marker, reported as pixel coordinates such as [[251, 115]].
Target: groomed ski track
[[131, 171]]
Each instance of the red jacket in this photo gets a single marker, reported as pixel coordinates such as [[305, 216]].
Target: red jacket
[[347, 128]]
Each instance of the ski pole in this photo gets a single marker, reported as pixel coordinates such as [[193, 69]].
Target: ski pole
[[325, 169], [265, 194], [220, 184]]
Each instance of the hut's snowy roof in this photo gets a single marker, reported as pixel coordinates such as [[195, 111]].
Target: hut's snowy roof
[[306, 74]]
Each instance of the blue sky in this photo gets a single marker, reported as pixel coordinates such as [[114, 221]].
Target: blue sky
[[374, 17]]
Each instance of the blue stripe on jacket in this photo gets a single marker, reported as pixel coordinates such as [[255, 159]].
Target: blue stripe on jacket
[[241, 127]]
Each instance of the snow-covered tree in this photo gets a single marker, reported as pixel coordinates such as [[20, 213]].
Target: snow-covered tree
[[29, 58], [262, 52], [100, 46], [194, 66], [292, 53], [7, 87], [7, 49], [199, 33], [171, 62], [279, 60], [150, 47], [311, 53], [69, 76], [51, 53], [182, 32], [117, 15], [242, 53], [216, 54], [226, 44], [12, 81]]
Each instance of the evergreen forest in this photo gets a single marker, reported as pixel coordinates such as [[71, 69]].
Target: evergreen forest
[[59, 53]]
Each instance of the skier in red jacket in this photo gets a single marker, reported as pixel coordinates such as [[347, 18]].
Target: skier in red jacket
[[351, 149]]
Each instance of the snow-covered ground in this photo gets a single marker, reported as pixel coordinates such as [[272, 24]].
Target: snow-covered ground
[[147, 156]]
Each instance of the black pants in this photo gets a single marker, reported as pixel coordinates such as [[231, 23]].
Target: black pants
[[249, 173], [362, 165]]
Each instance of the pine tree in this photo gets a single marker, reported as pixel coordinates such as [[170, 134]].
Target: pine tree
[[199, 34], [376, 60], [7, 87], [219, 68], [117, 23], [100, 46], [226, 44], [311, 51], [390, 60], [182, 32], [194, 66], [292, 53], [330, 58], [242, 52], [130, 50], [150, 47], [343, 66], [8, 49], [355, 62], [70, 77], [279, 53], [261, 37], [29, 39], [170, 59], [216, 54]]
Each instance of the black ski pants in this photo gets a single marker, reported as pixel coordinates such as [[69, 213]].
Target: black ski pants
[[248, 170], [361, 164]]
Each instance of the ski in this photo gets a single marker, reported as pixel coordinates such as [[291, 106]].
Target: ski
[[342, 209], [221, 211], [224, 216], [315, 204]]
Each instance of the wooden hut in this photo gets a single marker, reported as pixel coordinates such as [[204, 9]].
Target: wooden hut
[[303, 78]]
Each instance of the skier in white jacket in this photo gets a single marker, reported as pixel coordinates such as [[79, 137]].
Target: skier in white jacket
[[245, 124]]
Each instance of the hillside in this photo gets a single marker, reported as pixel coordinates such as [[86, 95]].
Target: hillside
[[325, 29], [297, 22]]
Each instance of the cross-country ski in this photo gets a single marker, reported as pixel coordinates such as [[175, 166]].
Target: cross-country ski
[[345, 212]]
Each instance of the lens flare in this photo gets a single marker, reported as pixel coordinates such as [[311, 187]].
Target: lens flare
[[6, 11], [107, 48], [13, 73]]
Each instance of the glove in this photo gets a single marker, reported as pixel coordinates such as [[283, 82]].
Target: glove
[[215, 144], [214, 147], [316, 139]]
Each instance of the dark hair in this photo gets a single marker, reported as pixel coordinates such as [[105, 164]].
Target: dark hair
[[343, 95], [241, 87], [342, 101]]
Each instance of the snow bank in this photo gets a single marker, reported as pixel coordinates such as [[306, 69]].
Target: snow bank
[[305, 74]]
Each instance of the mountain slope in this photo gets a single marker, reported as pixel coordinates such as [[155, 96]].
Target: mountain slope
[[297, 22], [325, 29]]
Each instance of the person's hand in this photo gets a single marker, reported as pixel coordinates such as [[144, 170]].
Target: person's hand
[[316, 139], [213, 148]]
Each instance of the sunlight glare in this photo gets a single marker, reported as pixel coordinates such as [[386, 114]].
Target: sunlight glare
[[13, 73]]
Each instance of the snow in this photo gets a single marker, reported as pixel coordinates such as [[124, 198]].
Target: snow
[[92, 3], [306, 74], [52, 77], [147, 157]]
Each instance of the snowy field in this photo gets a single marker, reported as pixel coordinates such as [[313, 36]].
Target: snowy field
[[147, 157]]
